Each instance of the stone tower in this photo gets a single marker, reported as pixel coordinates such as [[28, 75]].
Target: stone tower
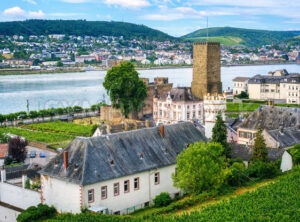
[[206, 69]]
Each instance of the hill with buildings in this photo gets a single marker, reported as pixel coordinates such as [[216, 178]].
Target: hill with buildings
[[82, 28], [246, 37]]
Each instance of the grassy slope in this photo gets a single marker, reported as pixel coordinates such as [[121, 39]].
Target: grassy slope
[[249, 37], [225, 40]]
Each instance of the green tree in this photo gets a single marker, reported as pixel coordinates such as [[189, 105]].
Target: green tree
[[220, 135], [260, 151], [127, 92], [200, 167], [59, 64]]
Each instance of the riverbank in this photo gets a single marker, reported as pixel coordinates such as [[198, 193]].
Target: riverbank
[[30, 72]]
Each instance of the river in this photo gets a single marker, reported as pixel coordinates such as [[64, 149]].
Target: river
[[84, 89]]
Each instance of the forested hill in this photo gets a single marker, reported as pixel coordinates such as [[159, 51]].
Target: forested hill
[[246, 37], [81, 28]]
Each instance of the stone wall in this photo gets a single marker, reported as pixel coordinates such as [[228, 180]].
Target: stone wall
[[206, 69], [160, 87]]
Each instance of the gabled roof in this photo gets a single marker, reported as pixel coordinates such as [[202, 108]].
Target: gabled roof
[[286, 137], [272, 117], [240, 79], [245, 153], [181, 94], [131, 152]]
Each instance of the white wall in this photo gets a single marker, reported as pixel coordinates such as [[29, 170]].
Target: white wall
[[147, 191], [8, 215], [286, 162], [64, 196], [18, 197]]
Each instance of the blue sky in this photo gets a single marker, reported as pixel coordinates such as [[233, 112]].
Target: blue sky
[[175, 17]]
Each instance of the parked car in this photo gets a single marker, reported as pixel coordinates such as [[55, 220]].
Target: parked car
[[32, 154], [42, 155]]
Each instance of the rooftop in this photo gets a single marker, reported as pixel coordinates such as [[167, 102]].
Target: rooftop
[[286, 137], [181, 94], [96, 159], [272, 118], [3, 150]]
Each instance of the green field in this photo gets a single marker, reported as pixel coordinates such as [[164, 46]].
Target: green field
[[55, 134], [241, 107], [66, 128], [225, 40]]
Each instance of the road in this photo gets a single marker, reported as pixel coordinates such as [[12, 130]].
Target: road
[[38, 160]]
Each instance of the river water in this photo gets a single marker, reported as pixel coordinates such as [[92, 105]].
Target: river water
[[85, 88]]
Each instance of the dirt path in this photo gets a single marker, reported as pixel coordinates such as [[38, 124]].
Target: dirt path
[[239, 191]]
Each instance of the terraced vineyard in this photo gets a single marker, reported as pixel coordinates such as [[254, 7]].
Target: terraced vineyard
[[279, 201]]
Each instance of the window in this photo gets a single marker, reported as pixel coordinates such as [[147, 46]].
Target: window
[[194, 106], [116, 189], [103, 192], [136, 183], [156, 178], [160, 112], [187, 115], [126, 186], [199, 113], [194, 115], [188, 107], [91, 196]]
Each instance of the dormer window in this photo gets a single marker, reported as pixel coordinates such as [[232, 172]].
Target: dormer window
[[112, 163], [141, 156]]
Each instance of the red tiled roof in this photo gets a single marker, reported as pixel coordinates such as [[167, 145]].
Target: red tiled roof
[[3, 150]]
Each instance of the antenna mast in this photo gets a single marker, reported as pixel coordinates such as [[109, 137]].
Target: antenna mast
[[207, 28]]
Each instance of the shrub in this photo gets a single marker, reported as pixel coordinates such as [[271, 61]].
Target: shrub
[[162, 200], [263, 170], [8, 161], [295, 152], [237, 175], [36, 213]]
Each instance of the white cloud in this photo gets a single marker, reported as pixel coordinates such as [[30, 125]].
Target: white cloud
[[37, 15], [16, 13], [169, 14], [128, 3], [30, 1]]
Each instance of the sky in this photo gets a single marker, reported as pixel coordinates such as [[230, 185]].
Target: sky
[[175, 17]]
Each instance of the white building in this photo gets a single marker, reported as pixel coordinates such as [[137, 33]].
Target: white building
[[178, 105], [118, 172], [240, 84], [213, 105]]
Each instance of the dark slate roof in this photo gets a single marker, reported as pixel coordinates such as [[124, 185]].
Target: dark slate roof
[[240, 79], [181, 94], [245, 152], [286, 137], [272, 117], [264, 79], [93, 155]]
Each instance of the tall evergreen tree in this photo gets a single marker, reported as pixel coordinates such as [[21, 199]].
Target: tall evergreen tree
[[220, 135], [260, 151]]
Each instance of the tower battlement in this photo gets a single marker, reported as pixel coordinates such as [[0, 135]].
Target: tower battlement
[[207, 43]]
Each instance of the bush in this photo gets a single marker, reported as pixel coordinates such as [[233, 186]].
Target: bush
[[36, 213], [162, 200], [263, 170], [295, 152], [8, 161], [237, 175]]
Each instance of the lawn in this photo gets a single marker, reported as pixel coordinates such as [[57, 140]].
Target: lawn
[[241, 107], [55, 134]]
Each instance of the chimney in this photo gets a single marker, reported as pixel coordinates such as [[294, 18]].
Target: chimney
[[147, 123], [24, 178], [65, 156], [162, 130], [108, 128], [3, 174]]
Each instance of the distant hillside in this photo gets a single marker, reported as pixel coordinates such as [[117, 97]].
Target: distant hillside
[[246, 37], [81, 28]]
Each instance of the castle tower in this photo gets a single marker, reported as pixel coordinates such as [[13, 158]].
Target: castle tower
[[213, 104], [206, 69]]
